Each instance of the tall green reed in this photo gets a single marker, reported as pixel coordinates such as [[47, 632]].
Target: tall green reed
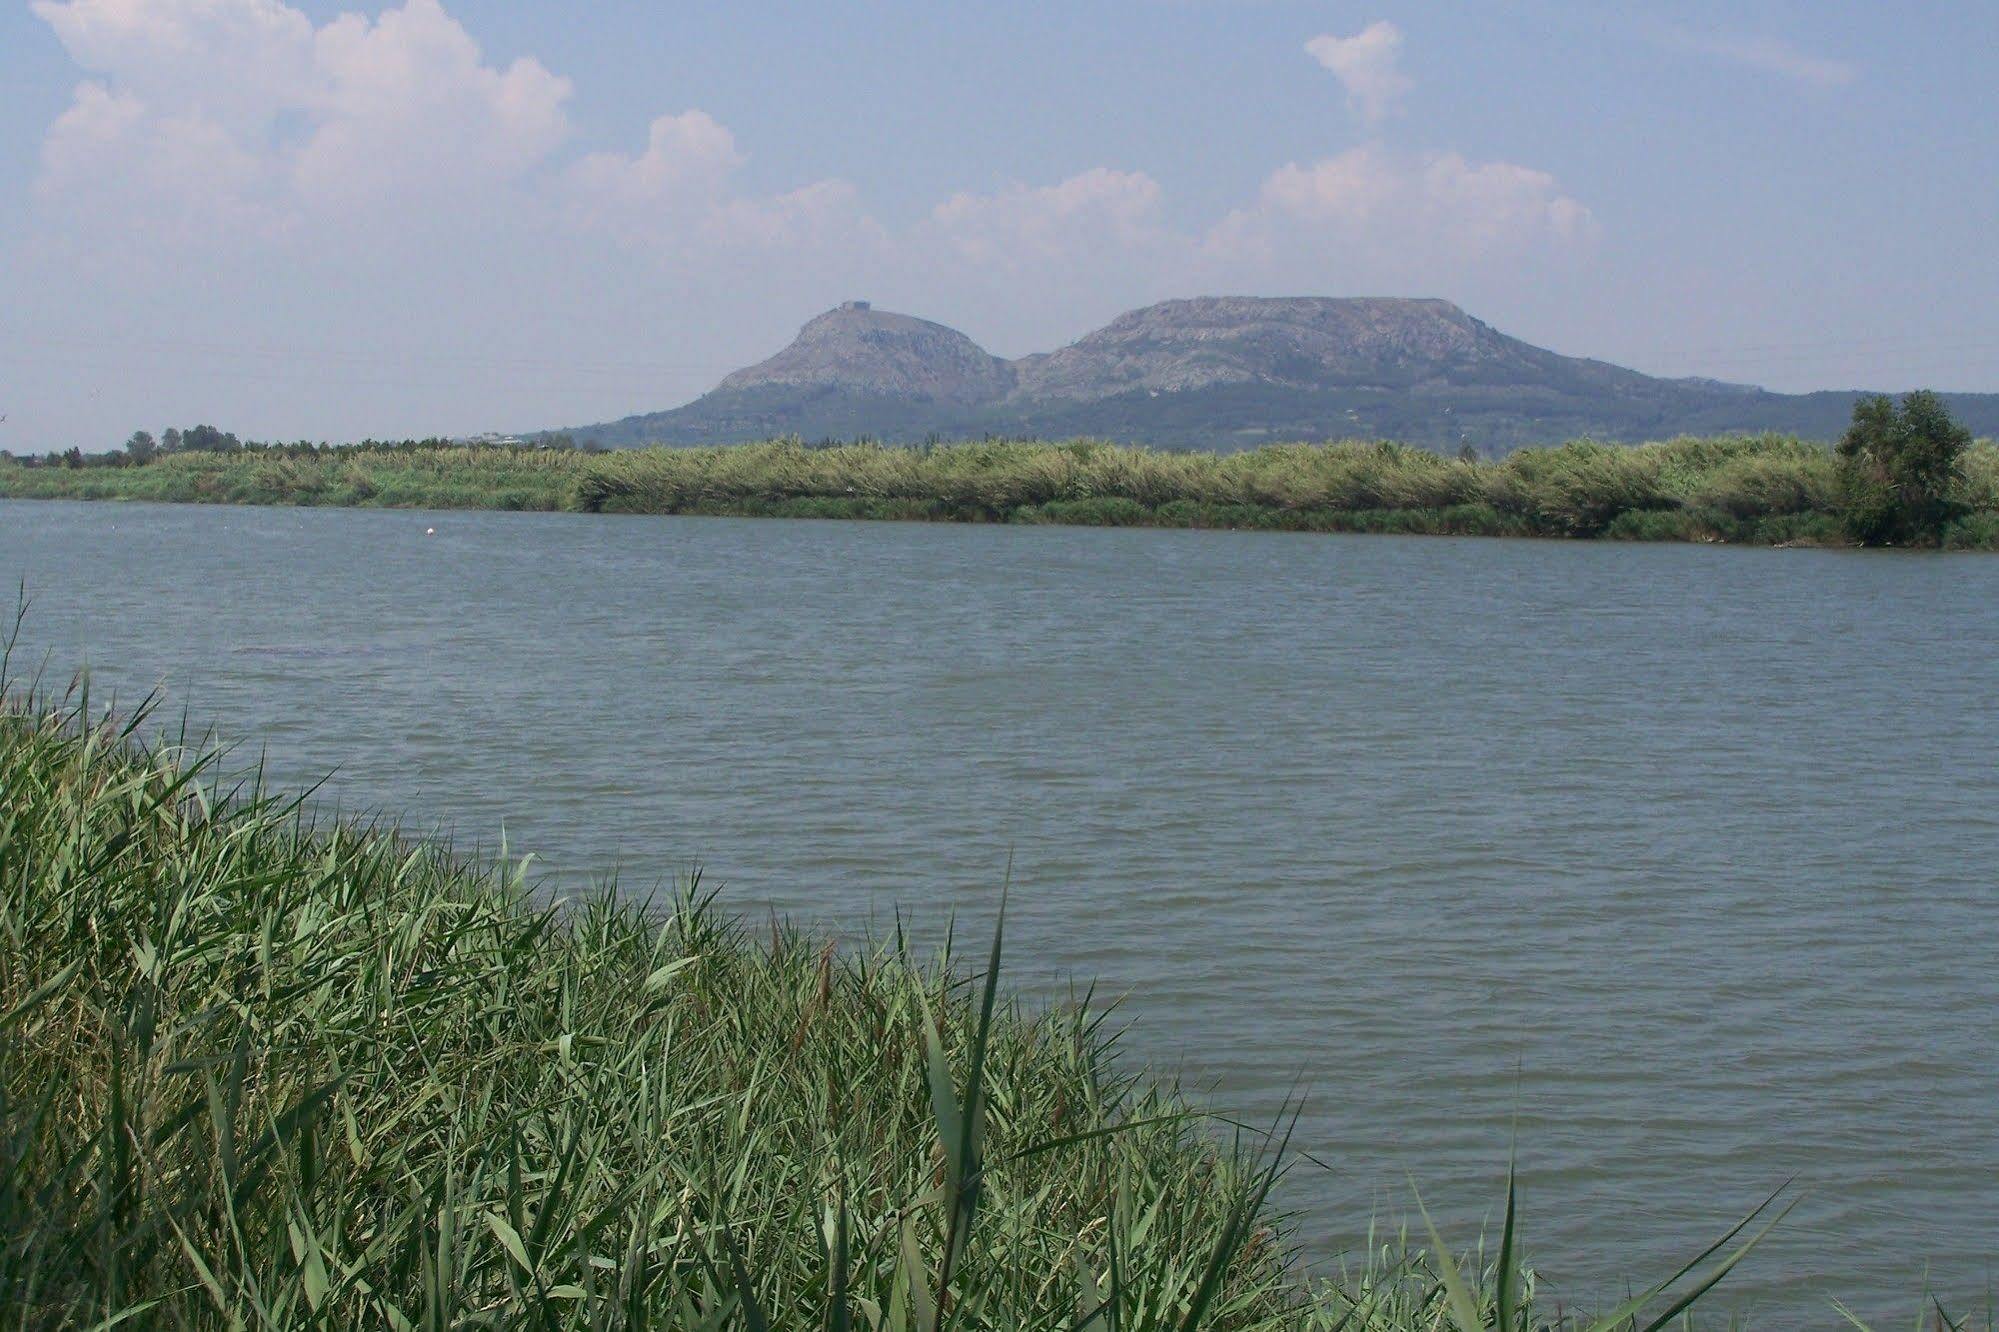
[[1753, 488], [263, 1071]]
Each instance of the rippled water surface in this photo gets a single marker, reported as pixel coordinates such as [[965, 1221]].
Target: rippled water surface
[[1686, 854]]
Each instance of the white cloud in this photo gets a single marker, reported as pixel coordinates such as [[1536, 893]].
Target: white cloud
[[1781, 58], [408, 100], [1368, 66], [1030, 224], [1062, 257], [691, 153], [678, 200], [215, 119], [683, 174], [244, 172], [180, 175], [825, 215], [241, 111], [1493, 204], [1764, 54], [1435, 209], [226, 57], [212, 118]]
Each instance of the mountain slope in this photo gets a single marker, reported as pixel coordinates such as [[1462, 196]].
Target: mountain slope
[[1225, 372], [859, 349], [1302, 344]]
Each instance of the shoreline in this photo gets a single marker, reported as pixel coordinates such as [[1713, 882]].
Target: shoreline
[[392, 1050], [1734, 490]]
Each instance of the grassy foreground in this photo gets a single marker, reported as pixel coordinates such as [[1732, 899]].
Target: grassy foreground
[[1760, 489], [261, 1073]]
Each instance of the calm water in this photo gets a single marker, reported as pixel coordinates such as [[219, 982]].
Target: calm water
[[1687, 854]]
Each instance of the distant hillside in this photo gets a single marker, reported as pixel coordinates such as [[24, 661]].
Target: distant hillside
[[856, 348], [1225, 372]]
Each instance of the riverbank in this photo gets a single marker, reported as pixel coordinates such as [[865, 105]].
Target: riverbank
[[264, 1070], [1767, 490]]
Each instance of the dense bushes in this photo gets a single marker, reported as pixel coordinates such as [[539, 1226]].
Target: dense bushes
[[1762, 488], [1900, 470], [1688, 489], [1579, 488]]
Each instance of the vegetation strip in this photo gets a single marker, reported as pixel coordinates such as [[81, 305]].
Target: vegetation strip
[[1904, 475], [259, 1071]]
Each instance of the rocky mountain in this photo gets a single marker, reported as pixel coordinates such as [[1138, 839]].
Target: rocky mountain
[[1224, 372], [1298, 344], [855, 346]]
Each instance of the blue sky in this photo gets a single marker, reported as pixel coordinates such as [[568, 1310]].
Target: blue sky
[[453, 215]]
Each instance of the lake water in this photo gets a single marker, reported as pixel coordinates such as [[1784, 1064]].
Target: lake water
[[1684, 854]]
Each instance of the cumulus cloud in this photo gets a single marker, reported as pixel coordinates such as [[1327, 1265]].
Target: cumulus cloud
[[219, 116], [416, 68], [691, 153], [230, 58], [822, 216], [244, 108], [1025, 224], [233, 161], [1440, 207], [208, 119], [178, 175], [1388, 210], [679, 196], [1368, 65]]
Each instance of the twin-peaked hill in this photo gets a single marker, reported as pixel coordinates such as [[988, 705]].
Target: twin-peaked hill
[[1220, 373]]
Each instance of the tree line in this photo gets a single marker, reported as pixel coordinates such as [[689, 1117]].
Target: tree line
[[143, 447], [1899, 466]]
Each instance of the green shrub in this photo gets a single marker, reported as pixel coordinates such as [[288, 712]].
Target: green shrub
[[1762, 484], [1579, 488], [1115, 511], [1898, 469], [1972, 531], [1732, 487], [1977, 489], [1797, 529], [1658, 525]]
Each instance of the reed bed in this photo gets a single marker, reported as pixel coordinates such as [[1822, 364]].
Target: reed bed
[[263, 1071], [357, 477], [1767, 489]]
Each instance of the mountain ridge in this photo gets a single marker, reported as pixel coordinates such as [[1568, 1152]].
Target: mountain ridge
[[1225, 372], [894, 354]]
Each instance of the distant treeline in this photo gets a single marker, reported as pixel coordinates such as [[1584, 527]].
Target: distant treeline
[[1903, 476], [143, 447]]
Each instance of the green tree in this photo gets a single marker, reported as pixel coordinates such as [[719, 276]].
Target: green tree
[[141, 447], [171, 441], [208, 439], [1897, 466]]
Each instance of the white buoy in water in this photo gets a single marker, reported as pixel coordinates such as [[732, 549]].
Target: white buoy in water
[[430, 531]]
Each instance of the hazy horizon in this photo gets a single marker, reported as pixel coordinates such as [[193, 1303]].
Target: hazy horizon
[[298, 221]]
